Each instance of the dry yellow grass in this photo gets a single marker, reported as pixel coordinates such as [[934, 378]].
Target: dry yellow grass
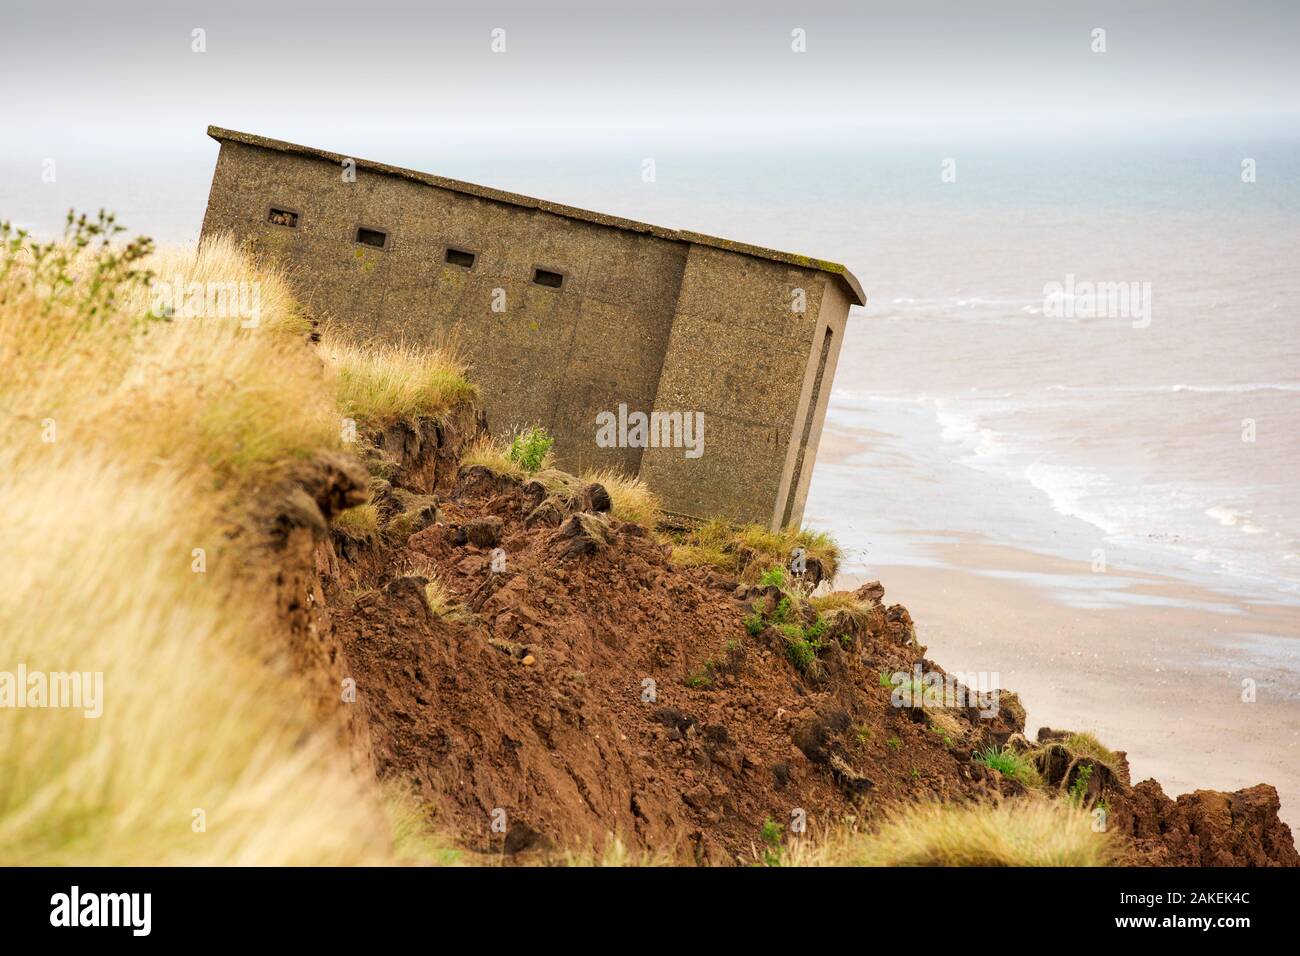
[[379, 385], [947, 724], [441, 601], [614, 853], [632, 500], [839, 601], [748, 551], [491, 454], [1028, 832], [841, 608], [360, 521], [129, 445], [416, 840], [1084, 744], [495, 456]]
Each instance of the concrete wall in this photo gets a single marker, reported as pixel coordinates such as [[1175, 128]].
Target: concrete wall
[[557, 356], [738, 352], [814, 396], [650, 322]]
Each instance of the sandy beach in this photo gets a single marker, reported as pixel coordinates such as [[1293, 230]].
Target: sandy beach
[[1159, 677]]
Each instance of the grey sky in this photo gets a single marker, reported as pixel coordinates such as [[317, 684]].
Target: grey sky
[[394, 77]]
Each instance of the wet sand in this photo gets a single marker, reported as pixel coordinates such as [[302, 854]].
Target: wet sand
[[1153, 666]]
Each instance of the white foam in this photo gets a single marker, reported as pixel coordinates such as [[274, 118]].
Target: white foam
[[1071, 491], [964, 428], [1141, 517], [1232, 518], [1174, 389]]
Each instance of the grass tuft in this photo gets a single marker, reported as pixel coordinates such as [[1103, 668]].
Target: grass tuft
[[415, 839], [496, 457], [1010, 764], [1032, 832], [381, 385], [439, 596], [750, 551], [614, 853], [633, 500], [1087, 745], [360, 522]]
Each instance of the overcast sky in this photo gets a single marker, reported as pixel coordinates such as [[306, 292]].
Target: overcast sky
[[399, 77]]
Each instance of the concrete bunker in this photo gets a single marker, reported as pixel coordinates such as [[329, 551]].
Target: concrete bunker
[[567, 316]]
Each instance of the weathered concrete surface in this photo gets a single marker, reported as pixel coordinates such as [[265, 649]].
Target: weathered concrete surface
[[647, 317]]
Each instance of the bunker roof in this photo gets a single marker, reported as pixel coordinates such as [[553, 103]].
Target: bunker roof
[[850, 282]]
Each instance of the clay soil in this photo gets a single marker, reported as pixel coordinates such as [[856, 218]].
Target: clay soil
[[578, 685]]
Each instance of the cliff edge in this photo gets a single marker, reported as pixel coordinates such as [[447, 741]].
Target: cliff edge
[[549, 680]]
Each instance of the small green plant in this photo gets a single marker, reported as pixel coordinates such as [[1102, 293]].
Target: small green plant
[[801, 652], [863, 734], [529, 448], [773, 577], [885, 680], [1010, 764], [916, 774], [109, 272], [802, 645], [772, 835], [729, 663], [947, 740], [895, 743], [1079, 789]]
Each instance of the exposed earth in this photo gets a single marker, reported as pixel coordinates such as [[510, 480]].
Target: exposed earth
[[576, 684]]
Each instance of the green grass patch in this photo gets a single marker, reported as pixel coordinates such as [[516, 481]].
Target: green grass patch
[[529, 448], [1010, 764]]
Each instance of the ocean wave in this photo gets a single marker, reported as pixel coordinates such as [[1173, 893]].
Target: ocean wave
[[1039, 485], [1072, 492], [1172, 389], [1232, 518], [963, 428]]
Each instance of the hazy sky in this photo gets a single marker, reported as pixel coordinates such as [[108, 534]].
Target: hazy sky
[[397, 76], [115, 96]]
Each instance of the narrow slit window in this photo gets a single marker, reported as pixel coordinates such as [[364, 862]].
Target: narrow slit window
[[372, 237], [552, 280], [283, 217], [459, 257]]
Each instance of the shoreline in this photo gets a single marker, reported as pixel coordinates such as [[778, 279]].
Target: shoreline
[[1157, 673]]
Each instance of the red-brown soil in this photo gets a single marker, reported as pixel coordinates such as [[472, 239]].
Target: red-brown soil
[[592, 688]]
